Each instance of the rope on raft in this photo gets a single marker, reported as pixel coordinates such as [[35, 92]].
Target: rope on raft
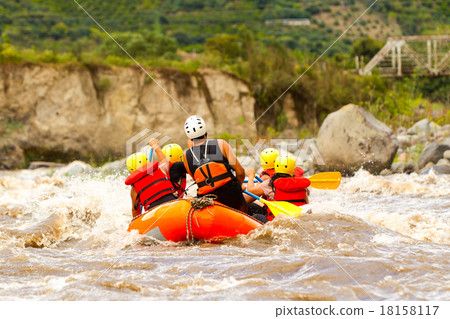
[[197, 204]]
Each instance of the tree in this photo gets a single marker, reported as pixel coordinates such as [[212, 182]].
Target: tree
[[226, 45], [366, 47]]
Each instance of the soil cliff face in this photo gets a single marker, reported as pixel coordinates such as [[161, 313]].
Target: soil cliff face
[[62, 112]]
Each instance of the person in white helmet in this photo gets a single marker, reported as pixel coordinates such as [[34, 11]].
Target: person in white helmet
[[210, 162]]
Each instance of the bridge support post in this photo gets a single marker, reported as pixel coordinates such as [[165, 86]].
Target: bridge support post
[[429, 53], [399, 59]]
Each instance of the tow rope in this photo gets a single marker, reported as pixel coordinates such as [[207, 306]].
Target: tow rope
[[197, 204]]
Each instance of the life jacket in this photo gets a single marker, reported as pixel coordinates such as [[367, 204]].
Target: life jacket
[[298, 172], [271, 171], [210, 171], [180, 188], [291, 189], [150, 184]]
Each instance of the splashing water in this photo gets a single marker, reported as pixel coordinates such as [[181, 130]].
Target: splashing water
[[374, 238]]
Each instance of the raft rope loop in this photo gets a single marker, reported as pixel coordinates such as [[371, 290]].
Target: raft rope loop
[[197, 204]]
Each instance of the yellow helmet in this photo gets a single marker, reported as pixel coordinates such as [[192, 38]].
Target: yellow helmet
[[136, 161], [285, 164], [173, 152], [268, 157]]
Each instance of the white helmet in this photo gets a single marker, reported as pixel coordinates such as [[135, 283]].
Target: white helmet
[[194, 127]]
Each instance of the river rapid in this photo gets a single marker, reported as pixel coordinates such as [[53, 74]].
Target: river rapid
[[375, 238]]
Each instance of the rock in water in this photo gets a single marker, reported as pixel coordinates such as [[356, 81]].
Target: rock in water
[[432, 153], [447, 155], [351, 138], [114, 167], [74, 168], [438, 170]]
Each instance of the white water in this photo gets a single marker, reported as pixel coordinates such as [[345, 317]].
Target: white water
[[373, 238]]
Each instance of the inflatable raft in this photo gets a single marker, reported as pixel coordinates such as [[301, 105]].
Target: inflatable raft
[[179, 221]]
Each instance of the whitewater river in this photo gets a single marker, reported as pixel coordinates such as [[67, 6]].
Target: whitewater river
[[380, 238]]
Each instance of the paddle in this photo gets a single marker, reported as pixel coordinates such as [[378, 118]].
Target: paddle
[[279, 207], [150, 155], [326, 180]]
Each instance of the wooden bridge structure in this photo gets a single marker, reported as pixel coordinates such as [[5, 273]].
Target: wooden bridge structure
[[404, 56]]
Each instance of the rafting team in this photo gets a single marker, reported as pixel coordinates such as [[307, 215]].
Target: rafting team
[[211, 162]]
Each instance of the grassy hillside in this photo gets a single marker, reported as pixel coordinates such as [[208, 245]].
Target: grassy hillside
[[235, 36], [60, 25]]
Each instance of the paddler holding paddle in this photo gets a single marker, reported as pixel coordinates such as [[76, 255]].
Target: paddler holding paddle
[[283, 185], [150, 185]]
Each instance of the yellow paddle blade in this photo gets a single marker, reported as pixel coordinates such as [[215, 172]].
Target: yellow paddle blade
[[286, 208], [326, 180]]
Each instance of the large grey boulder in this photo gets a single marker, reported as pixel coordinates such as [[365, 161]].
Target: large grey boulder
[[432, 153], [351, 138]]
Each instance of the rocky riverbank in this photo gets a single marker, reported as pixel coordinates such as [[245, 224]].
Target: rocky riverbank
[[68, 112]]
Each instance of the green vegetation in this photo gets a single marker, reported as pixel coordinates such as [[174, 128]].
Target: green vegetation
[[9, 127], [237, 37]]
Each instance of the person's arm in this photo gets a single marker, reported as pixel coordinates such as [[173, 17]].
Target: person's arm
[[163, 161], [229, 155], [133, 195], [265, 177], [251, 187]]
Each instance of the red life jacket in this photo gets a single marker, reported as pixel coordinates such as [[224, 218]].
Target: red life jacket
[[180, 188], [269, 171], [297, 173], [150, 184], [291, 189]]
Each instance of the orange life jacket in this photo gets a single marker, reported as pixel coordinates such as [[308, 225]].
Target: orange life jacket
[[291, 189], [150, 184], [209, 173]]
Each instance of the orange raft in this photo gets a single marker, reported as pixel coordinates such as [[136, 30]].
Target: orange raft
[[178, 221]]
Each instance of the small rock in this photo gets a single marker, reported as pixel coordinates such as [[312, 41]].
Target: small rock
[[439, 170], [401, 130], [446, 129], [403, 157], [74, 168], [404, 141], [411, 167], [446, 141], [432, 153], [428, 166], [443, 162], [420, 127], [113, 167], [447, 155], [386, 172], [434, 128], [36, 165], [398, 167]]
